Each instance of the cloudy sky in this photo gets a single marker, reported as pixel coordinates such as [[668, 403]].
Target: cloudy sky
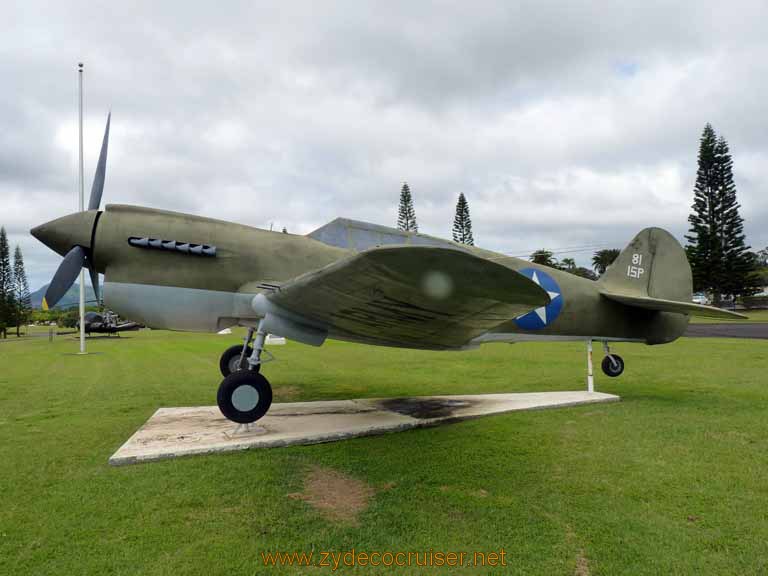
[[568, 125]]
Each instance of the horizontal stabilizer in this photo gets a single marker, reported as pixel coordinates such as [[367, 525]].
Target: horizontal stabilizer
[[673, 306]]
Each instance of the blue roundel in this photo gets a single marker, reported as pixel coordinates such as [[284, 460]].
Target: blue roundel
[[541, 317]]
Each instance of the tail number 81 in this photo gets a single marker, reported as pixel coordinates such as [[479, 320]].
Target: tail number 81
[[635, 270]]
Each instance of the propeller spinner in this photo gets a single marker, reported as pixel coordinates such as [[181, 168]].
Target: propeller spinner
[[71, 236]]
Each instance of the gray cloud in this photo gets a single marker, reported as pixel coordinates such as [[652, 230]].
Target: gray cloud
[[564, 123]]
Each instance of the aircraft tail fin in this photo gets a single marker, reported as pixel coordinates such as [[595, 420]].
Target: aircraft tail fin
[[653, 272]]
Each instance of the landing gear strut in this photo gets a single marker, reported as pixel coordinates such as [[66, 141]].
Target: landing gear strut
[[613, 364], [245, 395]]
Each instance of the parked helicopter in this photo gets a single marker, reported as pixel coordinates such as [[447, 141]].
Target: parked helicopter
[[107, 323]]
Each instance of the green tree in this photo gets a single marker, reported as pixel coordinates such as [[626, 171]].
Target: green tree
[[602, 259], [568, 264], [762, 256], [703, 249], [584, 273], [462, 223], [69, 318], [740, 265], [6, 285], [21, 299], [40, 316], [545, 258], [716, 248], [406, 213]]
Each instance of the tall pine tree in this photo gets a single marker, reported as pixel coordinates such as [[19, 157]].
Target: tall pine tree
[[6, 285], [406, 214], [716, 249], [462, 223], [703, 247], [738, 263], [21, 298]]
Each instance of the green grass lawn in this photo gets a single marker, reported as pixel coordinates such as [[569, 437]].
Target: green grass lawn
[[672, 480]]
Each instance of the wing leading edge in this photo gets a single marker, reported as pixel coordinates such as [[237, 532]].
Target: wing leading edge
[[414, 296]]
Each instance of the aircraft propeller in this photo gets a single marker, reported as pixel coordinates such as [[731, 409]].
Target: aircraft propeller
[[78, 256]]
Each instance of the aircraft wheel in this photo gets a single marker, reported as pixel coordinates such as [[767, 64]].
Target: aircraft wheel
[[230, 360], [244, 396], [614, 368]]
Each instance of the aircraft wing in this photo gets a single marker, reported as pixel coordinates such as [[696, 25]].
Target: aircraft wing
[[416, 296]]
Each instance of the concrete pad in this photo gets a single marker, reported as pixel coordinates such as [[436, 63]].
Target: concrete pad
[[172, 432]]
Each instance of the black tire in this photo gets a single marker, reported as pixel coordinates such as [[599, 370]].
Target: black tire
[[611, 369], [244, 396], [228, 360]]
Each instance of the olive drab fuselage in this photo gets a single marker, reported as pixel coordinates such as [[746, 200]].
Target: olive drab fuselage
[[167, 287]]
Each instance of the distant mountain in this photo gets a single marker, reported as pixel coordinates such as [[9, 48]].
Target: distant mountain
[[71, 298]]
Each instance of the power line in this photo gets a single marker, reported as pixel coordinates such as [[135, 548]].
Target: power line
[[564, 250]]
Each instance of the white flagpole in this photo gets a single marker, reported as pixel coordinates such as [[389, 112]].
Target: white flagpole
[[82, 207]]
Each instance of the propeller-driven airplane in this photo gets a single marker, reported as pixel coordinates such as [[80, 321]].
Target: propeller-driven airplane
[[357, 282]]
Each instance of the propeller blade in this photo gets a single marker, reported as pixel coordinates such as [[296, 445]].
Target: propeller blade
[[64, 277], [101, 171], [94, 279]]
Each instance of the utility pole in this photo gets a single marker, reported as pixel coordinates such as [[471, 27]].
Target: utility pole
[[82, 207]]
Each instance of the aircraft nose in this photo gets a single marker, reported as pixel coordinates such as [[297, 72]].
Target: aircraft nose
[[62, 234]]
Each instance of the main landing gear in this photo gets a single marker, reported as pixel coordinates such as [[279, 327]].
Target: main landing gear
[[244, 395]]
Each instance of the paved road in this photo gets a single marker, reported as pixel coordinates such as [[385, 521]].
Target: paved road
[[734, 330]]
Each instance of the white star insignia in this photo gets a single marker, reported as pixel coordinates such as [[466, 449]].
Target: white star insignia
[[542, 311]]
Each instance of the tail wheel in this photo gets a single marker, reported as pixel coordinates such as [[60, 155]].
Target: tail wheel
[[230, 360], [244, 396], [613, 365]]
